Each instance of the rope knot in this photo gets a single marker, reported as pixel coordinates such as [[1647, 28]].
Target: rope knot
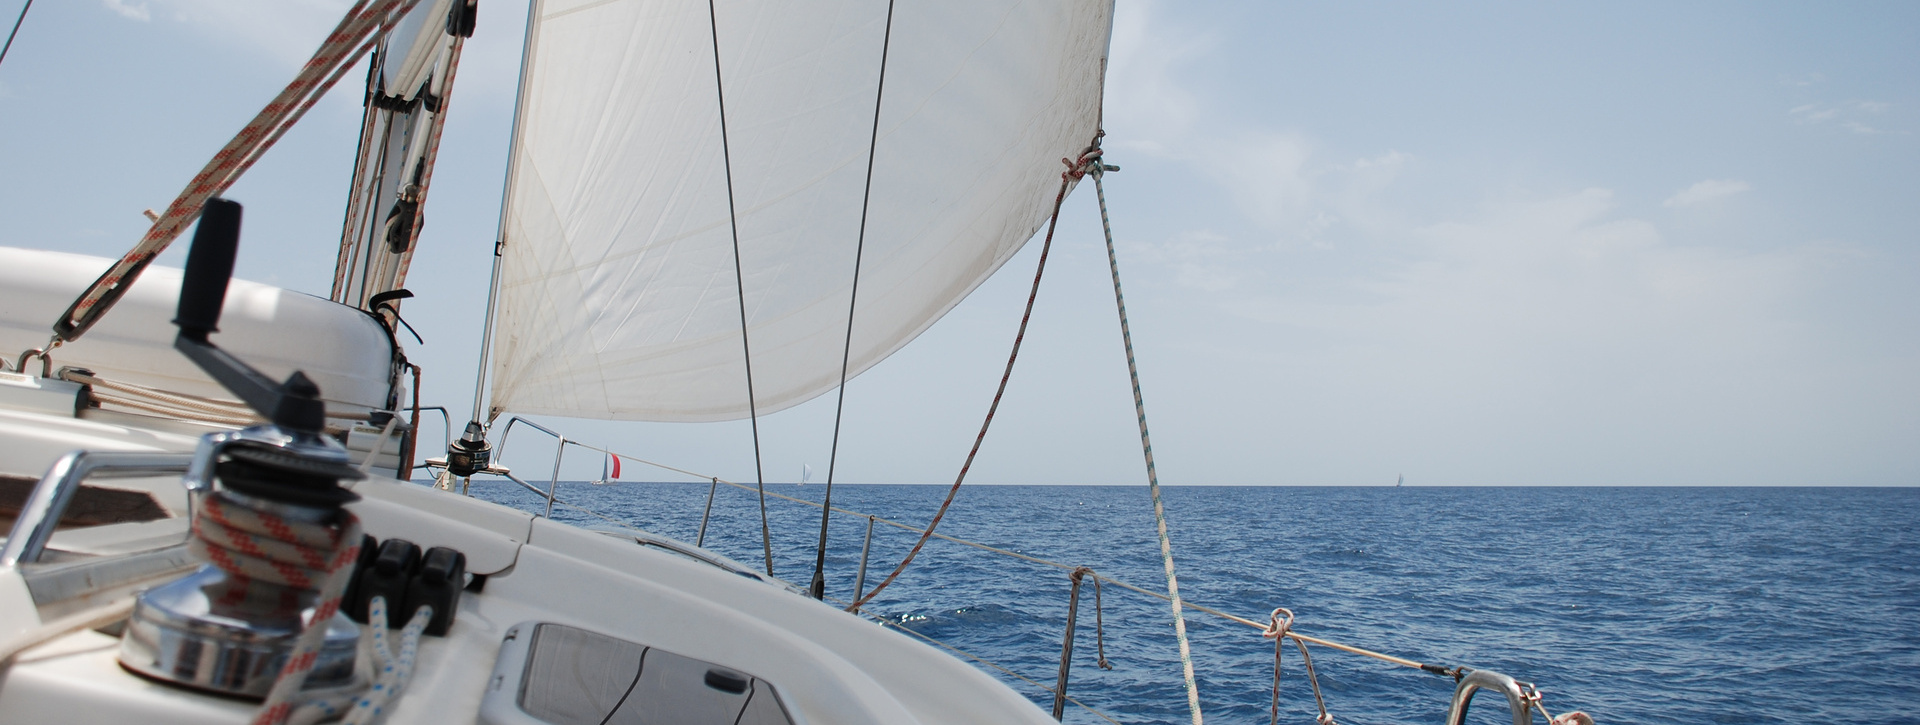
[[1088, 162], [1282, 620]]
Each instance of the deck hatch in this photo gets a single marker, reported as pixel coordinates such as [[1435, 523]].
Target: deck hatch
[[572, 676]]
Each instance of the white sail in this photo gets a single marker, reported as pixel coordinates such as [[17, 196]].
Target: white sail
[[618, 294]]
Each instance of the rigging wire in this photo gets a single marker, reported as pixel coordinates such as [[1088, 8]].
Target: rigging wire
[[819, 585], [740, 287], [23, 18]]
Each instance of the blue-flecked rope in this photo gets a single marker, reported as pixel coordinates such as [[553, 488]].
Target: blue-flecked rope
[[1098, 169]]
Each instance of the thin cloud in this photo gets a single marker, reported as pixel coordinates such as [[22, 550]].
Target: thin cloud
[[130, 11], [1848, 114], [1706, 191], [286, 31]]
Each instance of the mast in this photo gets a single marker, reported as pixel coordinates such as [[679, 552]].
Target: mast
[[506, 197], [471, 453]]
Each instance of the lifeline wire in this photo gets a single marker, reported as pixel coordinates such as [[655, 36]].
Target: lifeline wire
[[1074, 170], [740, 287], [716, 481], [1146, 448], [819, 586]]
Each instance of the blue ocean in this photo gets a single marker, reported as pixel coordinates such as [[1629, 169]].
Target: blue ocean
[[1636, 605]]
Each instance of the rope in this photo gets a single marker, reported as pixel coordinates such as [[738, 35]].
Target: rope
[[394, 670], [355, 35], [1277, 631], [183, 406], [253, 545], [236, 421], [16, 30], [1098, 169], [819, 586], [212, 406], [1099, 625], [740, 288], [357, 189], [92, 618], [1066, 182], [1314, 680]]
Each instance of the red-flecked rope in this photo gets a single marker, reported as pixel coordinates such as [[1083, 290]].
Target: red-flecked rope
[[1075, 170], [1282, 620], [352, 227], [353, 37], [1279, 629], [252, 545]]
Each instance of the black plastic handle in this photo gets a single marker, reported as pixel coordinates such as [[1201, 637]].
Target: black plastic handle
[[203, 289]]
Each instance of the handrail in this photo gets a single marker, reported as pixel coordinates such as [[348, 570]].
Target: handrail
[[560, 453], [1475, 680], [41, 513]]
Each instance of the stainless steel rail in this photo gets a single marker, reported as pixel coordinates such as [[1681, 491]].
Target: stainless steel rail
[[41, 513], [1475, 680], [559, 453]]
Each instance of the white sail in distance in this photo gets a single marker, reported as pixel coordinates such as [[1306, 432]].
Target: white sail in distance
[[617, 291]]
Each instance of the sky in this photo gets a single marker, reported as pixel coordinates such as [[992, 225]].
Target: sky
[[1487, 243]]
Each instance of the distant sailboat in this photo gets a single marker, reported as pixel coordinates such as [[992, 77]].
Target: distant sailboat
[[1402, 482], [605, 478], [806, 473]]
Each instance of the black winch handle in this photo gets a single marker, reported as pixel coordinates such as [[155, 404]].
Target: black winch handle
[[294, 404]]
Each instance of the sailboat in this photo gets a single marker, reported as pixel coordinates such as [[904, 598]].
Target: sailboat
[[608, 477], [213, 520]]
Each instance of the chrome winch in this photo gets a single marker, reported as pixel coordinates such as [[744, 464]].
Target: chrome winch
[[267, 518]]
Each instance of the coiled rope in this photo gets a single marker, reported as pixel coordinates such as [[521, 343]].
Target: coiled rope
[[252, 544], [1075, 169]]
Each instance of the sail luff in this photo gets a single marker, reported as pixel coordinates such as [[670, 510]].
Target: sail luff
[[506, 204]]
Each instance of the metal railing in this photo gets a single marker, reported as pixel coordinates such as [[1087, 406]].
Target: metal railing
[[1522, 698], [40, 515]]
